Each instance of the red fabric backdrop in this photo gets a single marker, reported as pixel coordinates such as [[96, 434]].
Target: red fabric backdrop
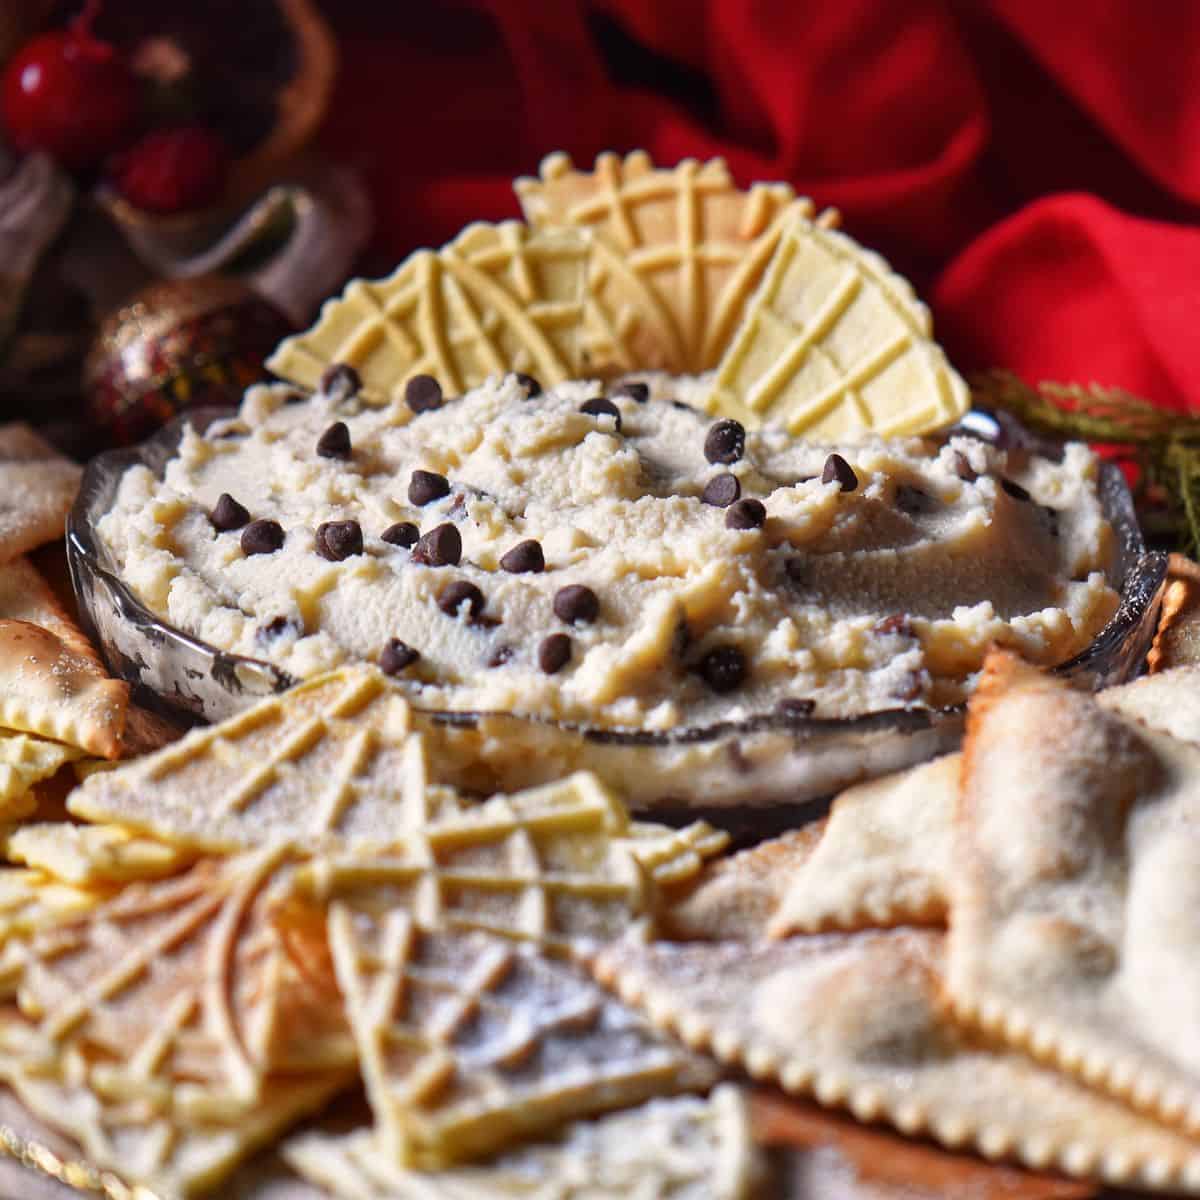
[[1033, 165]]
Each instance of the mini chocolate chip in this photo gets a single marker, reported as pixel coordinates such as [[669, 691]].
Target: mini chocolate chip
[[838, 470], [457, 594], [228, 514], [425, 486], [721, 490], [525, 558], [897, 623], [576, 604], [963, 468], [723, 668], [796, 708], [599, 407], [679, 404], [275, 627], [913, 501], [532, 386], [262, 537], [639, 393], [725, 442], [746, 514], [341, 380], [440, 547], [337, 540], [1015, 490], [403, 533], [335, 441], [500, 656], [796, 569], [294, 398], [423, 393], [396, 655], [554, 653]]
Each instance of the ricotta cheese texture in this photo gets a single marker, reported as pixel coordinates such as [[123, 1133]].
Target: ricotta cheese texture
[[611, 557]]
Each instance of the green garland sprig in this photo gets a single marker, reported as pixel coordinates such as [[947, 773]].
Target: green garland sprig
[[1163, 447]]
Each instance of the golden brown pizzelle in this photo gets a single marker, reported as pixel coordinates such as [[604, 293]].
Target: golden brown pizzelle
[[834, 344], [676, 252], [467, 1040], [51, 681], [498, 298], [1074, 933], [171, 1029], [684, 1148]]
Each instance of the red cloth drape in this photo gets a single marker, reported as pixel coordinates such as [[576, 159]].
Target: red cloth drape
[[1034, 165]]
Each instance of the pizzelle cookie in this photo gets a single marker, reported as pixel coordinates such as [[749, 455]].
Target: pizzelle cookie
[[834, 344], [498, 298], [92, 854], [682, 1148], [676, 252], [884, 858], [170, 1030], [1075, 892], [856, 1021], [549, 866], [37, 489], [51, 681], [467, 1041], [24, 762]]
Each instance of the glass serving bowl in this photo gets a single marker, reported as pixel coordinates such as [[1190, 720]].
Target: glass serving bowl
[[770, 760]]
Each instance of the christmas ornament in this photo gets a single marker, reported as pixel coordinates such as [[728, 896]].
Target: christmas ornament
[[178, 344], [70, 94], [173, 170]]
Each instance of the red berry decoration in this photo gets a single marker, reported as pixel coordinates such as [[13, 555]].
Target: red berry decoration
[[173, 170], [70, 94]]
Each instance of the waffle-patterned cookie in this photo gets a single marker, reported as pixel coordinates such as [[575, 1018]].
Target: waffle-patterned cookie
[[677, 252], [330, 762], [331, 765], [92, 854], [552, 865], [467, 1042], [834, 344], [857, 1022], [25, 761], [172, 1029], [682, 1148], [498, 298]]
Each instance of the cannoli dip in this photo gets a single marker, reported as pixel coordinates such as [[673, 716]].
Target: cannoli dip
[[611, 555]]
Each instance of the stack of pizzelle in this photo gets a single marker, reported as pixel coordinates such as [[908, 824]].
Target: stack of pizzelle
[[286, 905], [995, 949], [635, 267]]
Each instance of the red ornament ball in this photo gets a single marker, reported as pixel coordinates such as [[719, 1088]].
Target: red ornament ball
[[173, 170], [71, 95], [178, 344]]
